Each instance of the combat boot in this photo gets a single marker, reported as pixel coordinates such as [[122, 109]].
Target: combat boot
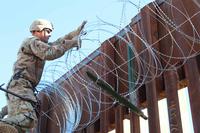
[[7, 128]]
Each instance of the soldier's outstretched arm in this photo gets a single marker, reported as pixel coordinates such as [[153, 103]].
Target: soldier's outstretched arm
[[49, 52]]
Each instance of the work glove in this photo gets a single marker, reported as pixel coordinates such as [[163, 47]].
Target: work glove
[[78, 42], [76, 32], [81, 27]]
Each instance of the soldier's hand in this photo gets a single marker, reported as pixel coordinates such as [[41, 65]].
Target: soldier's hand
[[78, 42], [79, 31], [80, 28]]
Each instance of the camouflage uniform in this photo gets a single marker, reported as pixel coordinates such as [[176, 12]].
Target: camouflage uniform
[[27, 74]]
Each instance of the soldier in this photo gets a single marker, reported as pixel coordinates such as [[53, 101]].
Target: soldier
[[28, 68]]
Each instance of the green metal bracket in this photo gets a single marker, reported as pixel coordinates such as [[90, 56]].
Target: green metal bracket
[[131, 72], [109, 89]]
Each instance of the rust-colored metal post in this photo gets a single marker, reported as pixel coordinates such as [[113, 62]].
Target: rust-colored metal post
[[119, 119], [193, 76], [107, 48], [43, 114], [171, 88], [134, 119], [135, 123], [150, 31]]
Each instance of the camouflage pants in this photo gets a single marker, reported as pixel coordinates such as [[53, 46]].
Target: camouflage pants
[[21, 113]]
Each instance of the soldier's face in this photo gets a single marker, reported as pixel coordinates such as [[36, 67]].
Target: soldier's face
[[45, 35]]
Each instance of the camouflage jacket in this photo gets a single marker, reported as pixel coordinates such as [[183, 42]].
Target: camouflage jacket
[[32, 55]]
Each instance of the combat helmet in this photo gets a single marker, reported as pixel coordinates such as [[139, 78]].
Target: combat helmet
[[40, 24]]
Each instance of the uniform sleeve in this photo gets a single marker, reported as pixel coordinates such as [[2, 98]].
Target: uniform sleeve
[[50, 51]]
